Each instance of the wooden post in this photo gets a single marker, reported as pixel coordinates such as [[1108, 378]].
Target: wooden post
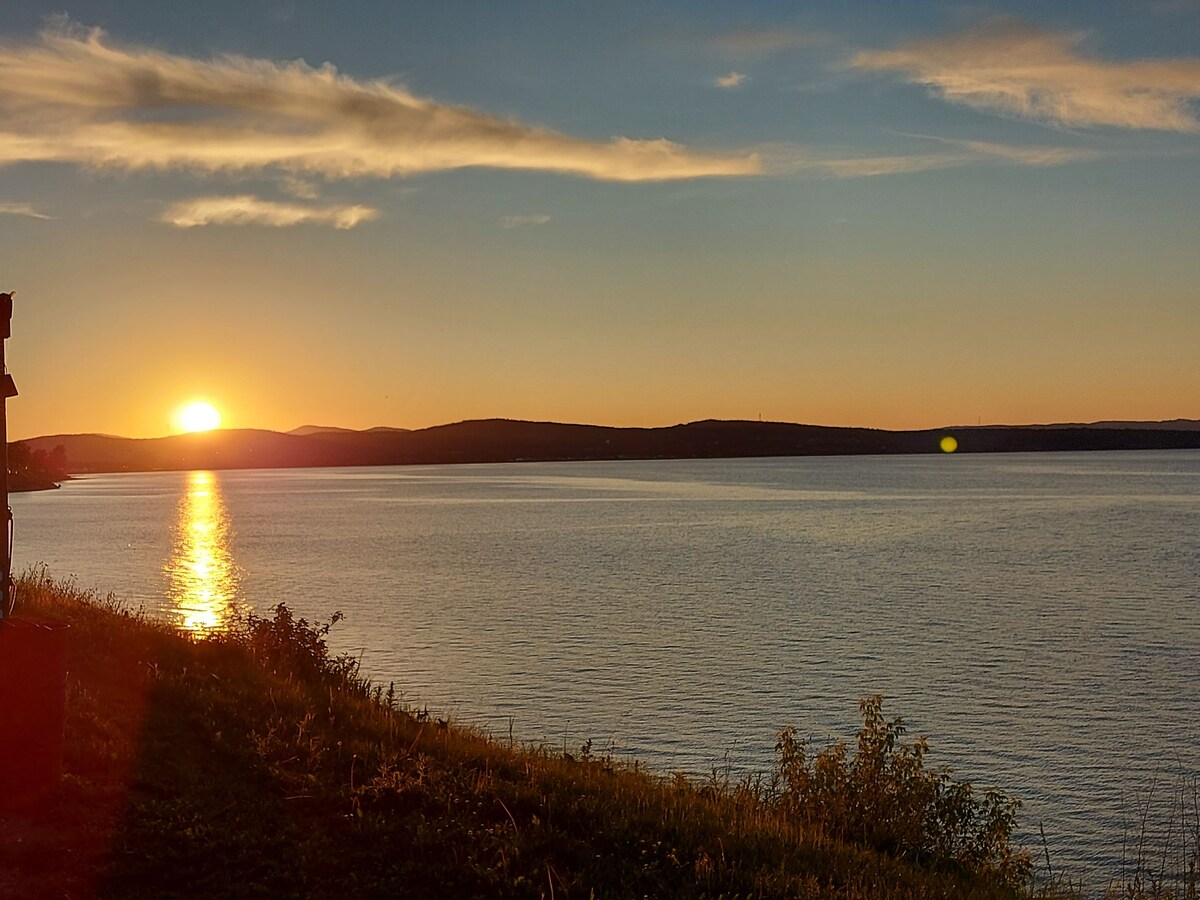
[[33, 656], [7, 389]]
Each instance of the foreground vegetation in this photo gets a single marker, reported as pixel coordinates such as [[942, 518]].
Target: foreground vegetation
[[256, 763]]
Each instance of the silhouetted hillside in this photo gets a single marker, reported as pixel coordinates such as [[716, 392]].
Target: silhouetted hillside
[[1167, 425], [305, 430], [504, 440], [224, 449]]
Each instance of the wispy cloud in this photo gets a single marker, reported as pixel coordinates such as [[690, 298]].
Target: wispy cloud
[[1010, 67], [73, 96], [21, 209], [875, 166], [300, 188], [809, 161], [527, 221], [246, 209], [732, 80], [765, 41], [1039, 157]]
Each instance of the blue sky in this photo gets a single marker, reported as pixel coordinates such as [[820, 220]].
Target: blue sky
[[892, 214]]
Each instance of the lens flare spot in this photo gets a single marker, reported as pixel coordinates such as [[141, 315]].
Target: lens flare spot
[[948, 444]]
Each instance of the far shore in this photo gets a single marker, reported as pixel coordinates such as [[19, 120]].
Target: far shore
[[21, 485], [506, 440]]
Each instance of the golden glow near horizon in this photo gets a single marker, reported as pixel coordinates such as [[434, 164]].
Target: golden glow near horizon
[[199, 415], [203, 580], [579, 252], [948, 444]]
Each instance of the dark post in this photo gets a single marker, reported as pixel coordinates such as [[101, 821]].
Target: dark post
[[33, 656], [7, 389]]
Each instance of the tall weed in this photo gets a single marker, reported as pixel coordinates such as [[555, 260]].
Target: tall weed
[[1163, 862]]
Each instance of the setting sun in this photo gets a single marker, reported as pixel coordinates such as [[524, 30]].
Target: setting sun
[[198, 416]]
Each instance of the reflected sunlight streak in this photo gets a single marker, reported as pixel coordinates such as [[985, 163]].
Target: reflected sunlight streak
[[204, 582]]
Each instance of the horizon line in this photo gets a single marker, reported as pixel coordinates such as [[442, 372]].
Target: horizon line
[[759, 421]]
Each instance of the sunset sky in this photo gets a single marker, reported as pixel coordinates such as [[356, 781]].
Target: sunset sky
[[631, 213]]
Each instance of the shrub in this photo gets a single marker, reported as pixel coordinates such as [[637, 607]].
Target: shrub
[[885, 797], [286, 643]]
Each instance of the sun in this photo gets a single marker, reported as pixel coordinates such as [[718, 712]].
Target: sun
[[198, 416]]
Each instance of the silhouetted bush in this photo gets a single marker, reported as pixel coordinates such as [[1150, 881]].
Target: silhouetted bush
[[885, 797], [289, 644]]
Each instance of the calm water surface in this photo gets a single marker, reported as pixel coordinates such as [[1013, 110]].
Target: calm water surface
[[1036, 615]]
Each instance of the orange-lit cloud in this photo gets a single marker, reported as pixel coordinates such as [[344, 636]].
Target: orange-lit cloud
[[1010, 67], [74, 97], [245, 209], [732, 80]]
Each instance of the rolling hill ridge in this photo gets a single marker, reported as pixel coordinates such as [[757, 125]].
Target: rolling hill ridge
[[507, 440]]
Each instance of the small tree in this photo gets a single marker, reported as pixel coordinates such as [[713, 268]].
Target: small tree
[[19, 457]]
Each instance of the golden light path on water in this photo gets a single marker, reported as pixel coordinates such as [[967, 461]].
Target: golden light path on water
[[203, 580]]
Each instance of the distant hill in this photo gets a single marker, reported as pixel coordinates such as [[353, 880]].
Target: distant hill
[[506, 440], [305, 430], [1168, 425], [1165, 425], [222, 449]]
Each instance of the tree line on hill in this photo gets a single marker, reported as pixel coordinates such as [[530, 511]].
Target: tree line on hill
[[36, 468], [507, 440]]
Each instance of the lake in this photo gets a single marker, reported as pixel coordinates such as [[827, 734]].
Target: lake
[[1036, 615]]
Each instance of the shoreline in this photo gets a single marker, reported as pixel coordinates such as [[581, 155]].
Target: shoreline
[[29, 489], [82, 474], [49, 533], [256, 760]]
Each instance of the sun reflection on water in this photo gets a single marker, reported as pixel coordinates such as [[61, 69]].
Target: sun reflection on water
[[203, 581]]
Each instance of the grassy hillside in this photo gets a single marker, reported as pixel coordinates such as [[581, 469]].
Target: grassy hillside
[[254, 764]]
